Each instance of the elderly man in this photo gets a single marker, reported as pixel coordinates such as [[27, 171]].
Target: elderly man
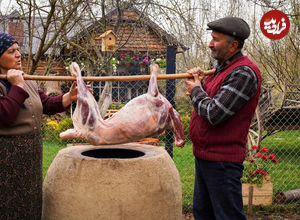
[[224, 106]]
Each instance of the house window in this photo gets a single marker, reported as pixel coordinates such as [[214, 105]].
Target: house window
[[122, 91], [135, 92], [119, 92]]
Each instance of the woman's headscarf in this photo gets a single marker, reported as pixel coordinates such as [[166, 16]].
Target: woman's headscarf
[[6, 40]]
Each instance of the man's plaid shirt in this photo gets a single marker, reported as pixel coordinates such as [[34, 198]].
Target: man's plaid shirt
[[239, 86]]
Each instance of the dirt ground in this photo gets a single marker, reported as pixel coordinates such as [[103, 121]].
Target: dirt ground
[[261, 216], [284, 212]]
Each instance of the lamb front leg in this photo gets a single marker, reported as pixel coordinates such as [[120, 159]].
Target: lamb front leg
[[69, 134], [176, 127]]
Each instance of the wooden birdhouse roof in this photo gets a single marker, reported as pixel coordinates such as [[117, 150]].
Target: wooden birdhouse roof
[[106, 33], [135, 32]]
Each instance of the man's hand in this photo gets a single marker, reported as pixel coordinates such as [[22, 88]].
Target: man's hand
[[196, 70], [198, 75], [15, 77], [192, 83]]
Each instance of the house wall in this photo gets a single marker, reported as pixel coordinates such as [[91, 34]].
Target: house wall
[[134, 35], [16, 29], [47, 66]]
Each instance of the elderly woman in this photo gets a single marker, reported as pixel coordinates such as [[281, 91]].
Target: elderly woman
[[22, 104]]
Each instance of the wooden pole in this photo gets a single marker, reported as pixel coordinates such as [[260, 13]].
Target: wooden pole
[[107, 78], [250, 202]]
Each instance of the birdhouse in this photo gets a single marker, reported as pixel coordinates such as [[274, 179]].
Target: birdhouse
[[108, 39]]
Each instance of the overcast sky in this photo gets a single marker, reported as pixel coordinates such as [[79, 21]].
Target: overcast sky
[[7, 5]]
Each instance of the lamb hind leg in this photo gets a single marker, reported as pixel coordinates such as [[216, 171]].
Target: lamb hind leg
[[176, 127], [153, 89]]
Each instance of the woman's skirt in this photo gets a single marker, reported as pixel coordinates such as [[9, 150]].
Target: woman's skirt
[[21, 177]]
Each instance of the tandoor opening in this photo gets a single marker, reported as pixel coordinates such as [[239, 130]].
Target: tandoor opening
[[113, 153]]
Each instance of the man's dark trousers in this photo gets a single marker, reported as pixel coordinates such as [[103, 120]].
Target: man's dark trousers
[[218, 191]]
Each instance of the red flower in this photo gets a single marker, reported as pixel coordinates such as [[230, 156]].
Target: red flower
[[271, 156], [251, 160], [254, 147], [258, 154], [256, 164], [263, 173], [274, 160]]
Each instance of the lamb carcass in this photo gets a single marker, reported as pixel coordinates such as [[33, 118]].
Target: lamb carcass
[[144, 116]]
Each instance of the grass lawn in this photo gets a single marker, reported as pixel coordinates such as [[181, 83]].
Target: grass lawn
[[50, 150], [286, 146], [285, 174]]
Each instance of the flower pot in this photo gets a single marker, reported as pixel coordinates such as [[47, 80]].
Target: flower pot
[[261, 195], [133, 69], [143, 67]]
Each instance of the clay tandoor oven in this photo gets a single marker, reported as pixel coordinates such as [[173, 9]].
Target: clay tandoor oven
[[128, 182]]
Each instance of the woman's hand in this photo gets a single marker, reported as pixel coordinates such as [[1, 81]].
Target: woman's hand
[[15, 77], [71, 96], [73, 92]]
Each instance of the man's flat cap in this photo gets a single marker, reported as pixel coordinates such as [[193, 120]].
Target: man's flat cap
[[232, 26]]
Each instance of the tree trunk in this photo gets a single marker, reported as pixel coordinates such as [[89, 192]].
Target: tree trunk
[[105, 98]]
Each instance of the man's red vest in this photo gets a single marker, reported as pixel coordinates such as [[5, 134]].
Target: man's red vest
[[227, 140]]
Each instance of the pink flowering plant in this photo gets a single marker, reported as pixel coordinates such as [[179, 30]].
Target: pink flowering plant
[[126, 58], [257, 165]]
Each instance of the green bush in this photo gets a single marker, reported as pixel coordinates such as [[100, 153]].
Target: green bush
[[161, 62], [65, 124], [186, 123], [184, 106], [48, 129], [52, 127], [116, 105]]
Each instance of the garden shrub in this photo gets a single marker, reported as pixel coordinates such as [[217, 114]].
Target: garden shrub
[[52, 126], [48, 129], [186, 123], [65, 124], [183, 106], [116, 105]]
